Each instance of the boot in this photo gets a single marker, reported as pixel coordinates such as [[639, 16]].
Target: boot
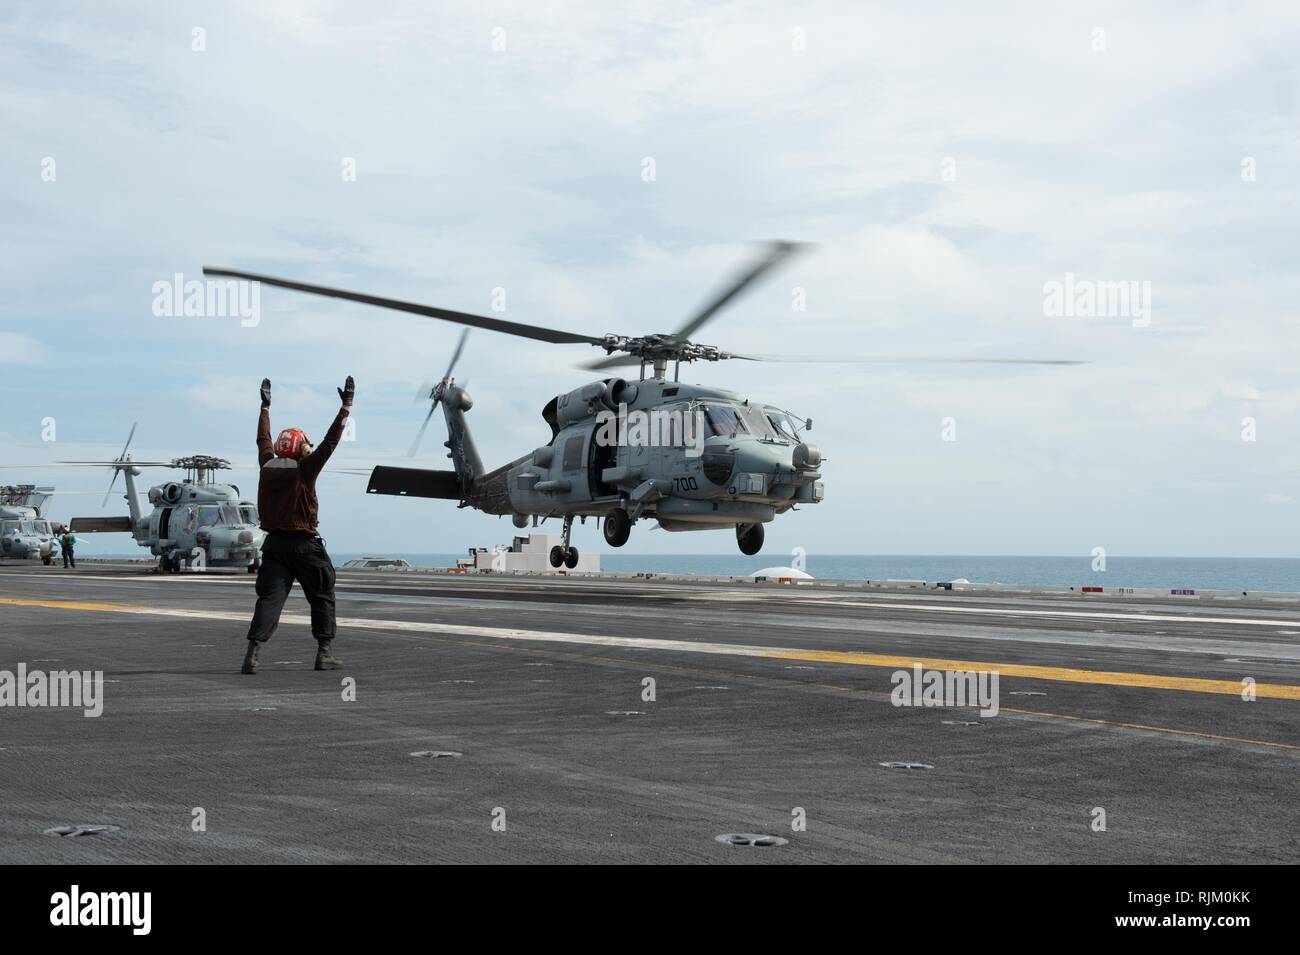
[[325, 660], [250, 658]]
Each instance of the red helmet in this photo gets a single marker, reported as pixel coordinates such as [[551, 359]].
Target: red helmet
[[289, 443]]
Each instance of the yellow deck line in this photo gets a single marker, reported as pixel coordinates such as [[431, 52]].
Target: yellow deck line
[[1152, 681]]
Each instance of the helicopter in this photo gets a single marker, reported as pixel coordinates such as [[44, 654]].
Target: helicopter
[[195, 523], [25, 533], [690, 457]]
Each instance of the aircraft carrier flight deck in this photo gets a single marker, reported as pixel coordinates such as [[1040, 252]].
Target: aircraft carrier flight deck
[[502, 718]]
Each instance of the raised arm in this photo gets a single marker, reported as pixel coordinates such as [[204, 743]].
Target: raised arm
[[265, 450], [312, 464]]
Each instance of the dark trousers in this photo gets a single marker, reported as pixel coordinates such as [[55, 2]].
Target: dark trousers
[[69, 558], [288, 556]]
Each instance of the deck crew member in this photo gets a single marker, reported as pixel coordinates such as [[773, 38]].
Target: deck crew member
[[286, 503]]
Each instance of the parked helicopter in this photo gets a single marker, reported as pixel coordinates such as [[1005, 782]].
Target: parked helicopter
[[195, 523], [25, 533], [720, 460]]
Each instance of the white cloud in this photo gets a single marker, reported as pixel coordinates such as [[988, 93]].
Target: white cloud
[[520, 169], [19, 349]]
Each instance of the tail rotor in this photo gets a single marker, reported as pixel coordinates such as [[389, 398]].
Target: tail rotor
[[121, 458], [435, 392]]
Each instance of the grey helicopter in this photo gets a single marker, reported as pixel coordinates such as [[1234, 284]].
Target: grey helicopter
[[25, 532], [195, 522], [689, 457]]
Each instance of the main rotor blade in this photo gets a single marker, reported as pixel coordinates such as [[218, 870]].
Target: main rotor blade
[[620, 361], [536, 332], [918, 359], [775, 254], [419, 437], [613, 361], [117, 463]]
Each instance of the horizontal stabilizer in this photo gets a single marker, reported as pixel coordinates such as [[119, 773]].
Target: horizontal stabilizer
[[415, 482], [101, 525]]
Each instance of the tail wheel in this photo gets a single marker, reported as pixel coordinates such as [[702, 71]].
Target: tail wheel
[[750, 538], [618, 527], [557, 555]]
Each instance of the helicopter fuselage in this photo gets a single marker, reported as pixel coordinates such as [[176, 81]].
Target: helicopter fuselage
[[25, 533], [194, 524], [191, 519], [688, 456]]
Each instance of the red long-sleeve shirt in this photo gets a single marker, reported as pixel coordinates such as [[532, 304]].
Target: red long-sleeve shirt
[[286, 489]]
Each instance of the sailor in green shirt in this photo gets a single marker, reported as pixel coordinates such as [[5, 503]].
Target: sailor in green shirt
[[68, 542]]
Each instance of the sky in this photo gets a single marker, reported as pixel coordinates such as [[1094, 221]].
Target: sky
[[608, 166]]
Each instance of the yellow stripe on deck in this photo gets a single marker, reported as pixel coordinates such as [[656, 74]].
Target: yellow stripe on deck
[[72, 605], [1151, 681]]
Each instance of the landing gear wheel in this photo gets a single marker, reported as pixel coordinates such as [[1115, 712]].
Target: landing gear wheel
[[750, 538], [174, 564], [562, 553], [618, 527]]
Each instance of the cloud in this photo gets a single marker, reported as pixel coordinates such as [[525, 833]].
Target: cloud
[[521, 168], [19, 349]]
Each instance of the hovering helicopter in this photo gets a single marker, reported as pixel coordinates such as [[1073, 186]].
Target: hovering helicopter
[[195, 522], [25, 533], [722, 460]]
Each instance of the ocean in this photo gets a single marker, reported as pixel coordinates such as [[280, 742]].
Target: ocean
[[1199, 573]]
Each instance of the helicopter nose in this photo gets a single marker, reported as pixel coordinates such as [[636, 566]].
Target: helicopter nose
[[245, 537], [806, 457]]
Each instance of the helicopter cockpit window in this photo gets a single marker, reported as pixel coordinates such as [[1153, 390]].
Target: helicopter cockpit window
[[249, 514], [781, 422], [724, 421], [756, 421], [41, 527], [209, 516], [230, 515]]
